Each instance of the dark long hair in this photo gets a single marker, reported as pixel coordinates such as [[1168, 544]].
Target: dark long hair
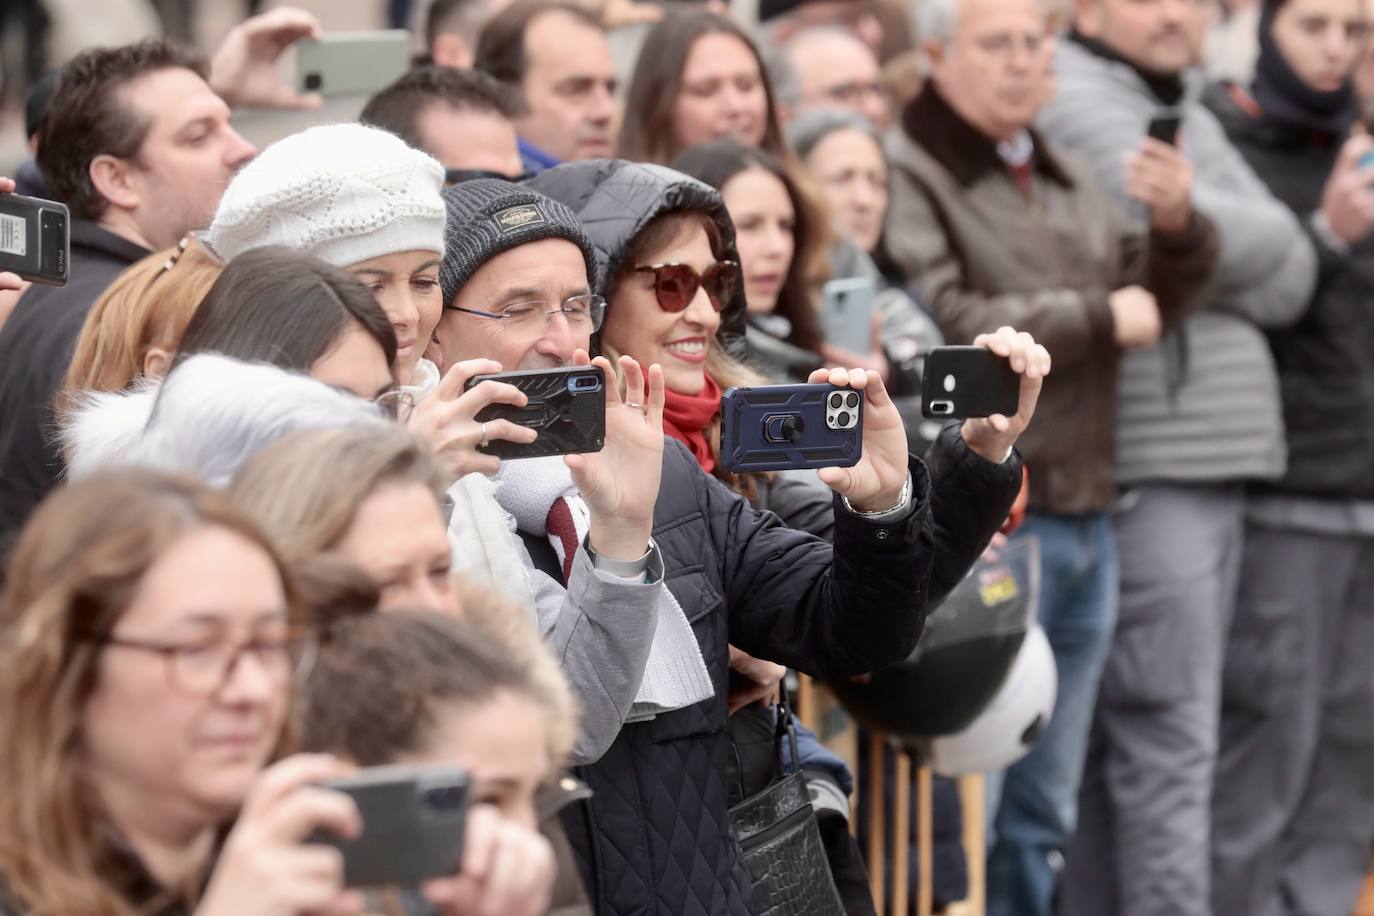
[[646, 134], [273, 305], [717, 163]]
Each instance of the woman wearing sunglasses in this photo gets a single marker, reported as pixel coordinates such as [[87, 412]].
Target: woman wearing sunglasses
[[676, 293]]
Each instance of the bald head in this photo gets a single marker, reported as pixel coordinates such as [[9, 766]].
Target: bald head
[[836, 70]]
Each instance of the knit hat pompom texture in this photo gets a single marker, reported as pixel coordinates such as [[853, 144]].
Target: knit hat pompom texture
[[343, 193], [488, 217]]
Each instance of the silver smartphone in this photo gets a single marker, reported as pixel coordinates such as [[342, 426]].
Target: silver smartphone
[[352, 63], [414, 820], [847, 313]]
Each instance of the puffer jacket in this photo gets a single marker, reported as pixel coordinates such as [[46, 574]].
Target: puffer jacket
[[655, 839], [1325, 373]]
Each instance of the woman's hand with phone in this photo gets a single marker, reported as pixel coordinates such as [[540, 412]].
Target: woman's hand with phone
[[266, 868], [993, 437], [507, 870], [620, 482], [447, 419], [876, 482], [12, 286]]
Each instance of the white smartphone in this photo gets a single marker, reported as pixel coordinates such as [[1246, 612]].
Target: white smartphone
[[847, 313], [352, 63]]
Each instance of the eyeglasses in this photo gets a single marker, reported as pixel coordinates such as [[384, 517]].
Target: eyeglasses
[[458, 176], [1004, 45], [200, 669], [855, 92], [676, 285], [395, 404], [583, 314]]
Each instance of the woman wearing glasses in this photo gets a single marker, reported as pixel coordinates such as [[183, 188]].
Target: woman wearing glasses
[[149, 644]]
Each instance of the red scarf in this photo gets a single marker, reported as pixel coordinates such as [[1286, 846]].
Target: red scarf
[[686, 418]]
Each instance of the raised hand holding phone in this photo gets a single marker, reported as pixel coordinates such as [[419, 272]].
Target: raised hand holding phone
[[1348, 198], [447, 419], [879, 478], [993, 436]]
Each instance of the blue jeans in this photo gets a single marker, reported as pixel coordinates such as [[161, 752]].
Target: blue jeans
[[1039, 794]]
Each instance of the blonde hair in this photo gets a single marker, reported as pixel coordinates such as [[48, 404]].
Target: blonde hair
[[148, 305], [305, 488], [73, 573]]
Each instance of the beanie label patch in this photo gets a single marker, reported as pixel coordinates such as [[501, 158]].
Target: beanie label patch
[[512, 219]]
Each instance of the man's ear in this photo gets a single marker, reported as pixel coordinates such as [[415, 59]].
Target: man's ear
[[114, 179], [449, 50], [156, 361], [934, 53]]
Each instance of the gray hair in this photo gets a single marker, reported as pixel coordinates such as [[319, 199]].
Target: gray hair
[[809, 129]]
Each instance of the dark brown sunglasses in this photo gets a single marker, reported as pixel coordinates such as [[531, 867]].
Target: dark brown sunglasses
[[676, 285]]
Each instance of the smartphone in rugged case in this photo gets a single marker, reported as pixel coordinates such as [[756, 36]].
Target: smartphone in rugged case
[[1164, 126], [962, 382], [35, 239], [847, 313], [414, 821], [787, 427], [352, 63], [567, 407]]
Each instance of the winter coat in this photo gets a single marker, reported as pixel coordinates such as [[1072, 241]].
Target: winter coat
[[1203, 405], [655, 837], [36, 346], [1326, 376], [986, 254]]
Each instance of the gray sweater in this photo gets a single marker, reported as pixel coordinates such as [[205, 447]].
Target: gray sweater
[[1203, 405]]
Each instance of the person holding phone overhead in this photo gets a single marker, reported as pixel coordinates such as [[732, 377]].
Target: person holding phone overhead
[[1299, 685], [515, 255], [992, 224]]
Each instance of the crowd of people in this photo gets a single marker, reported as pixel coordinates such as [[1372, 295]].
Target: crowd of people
[[255, 534]]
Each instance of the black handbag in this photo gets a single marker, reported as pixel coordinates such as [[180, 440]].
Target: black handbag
[[780, 842]]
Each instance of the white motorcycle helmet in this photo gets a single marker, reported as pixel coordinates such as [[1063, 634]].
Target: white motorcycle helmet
[[1008, 726]]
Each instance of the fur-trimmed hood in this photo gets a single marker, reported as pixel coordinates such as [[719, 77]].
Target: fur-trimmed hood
[[207, 417]]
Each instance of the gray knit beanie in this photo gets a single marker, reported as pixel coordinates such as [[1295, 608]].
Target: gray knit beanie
[[488, 217]]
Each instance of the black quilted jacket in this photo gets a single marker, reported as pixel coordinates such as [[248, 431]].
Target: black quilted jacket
[[654, 838]]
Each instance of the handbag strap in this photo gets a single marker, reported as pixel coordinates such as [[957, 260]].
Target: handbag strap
[[785, 729]]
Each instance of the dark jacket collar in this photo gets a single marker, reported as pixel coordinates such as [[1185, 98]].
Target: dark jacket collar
[[96, 238], [964, 151], [1167, 88]]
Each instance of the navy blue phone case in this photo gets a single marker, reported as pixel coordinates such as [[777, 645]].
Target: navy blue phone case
[[787, 427]]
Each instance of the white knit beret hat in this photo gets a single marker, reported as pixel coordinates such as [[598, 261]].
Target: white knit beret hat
[[343, 193]]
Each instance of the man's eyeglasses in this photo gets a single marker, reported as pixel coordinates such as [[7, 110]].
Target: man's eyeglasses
[[856, 92], [201, 669], [458, 176], [676, 285], [583, 313]]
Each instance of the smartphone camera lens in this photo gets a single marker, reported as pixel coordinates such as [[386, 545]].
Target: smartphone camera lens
[[942, 408], [313, 81], [837, 400], [584, 383], [843, 419], [851, 401]]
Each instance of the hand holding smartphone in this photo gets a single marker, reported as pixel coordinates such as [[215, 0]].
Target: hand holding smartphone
[[566, 407], [790, 427], [35, 239], [414, 823]]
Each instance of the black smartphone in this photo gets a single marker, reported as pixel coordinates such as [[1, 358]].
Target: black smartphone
[[35, 239], [790, 427], [567, 407], [1164, 126], [414, 821], [963, 382]]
